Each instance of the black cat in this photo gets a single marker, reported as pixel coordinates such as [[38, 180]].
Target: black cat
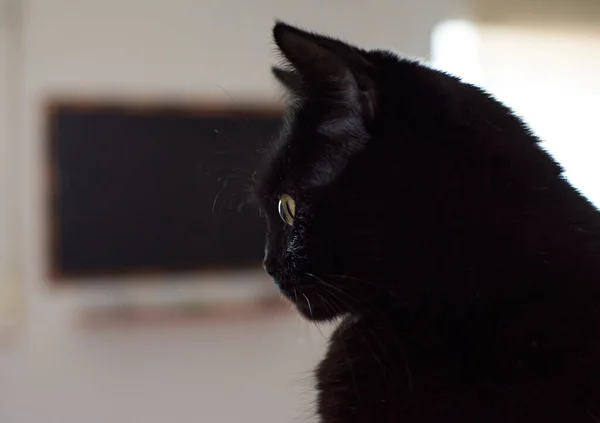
[[464, 268]]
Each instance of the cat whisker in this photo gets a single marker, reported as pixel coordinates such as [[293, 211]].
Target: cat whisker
[[329, 287], [386, 290], [325, 283], [326, 306], [232, 174], [381, 318], [232, 100], [349, 359], [361, 336], [216, 131], [226, 154], [308, 303], [218, 195], [216, 172], [228, 200]]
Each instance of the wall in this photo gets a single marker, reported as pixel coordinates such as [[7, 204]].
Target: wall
[[541, 11], [4, 196], [10, 293], [50, 372]]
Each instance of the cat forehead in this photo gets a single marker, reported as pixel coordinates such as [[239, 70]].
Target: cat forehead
[[313, 153]]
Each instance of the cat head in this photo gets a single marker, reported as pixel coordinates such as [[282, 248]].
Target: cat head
[[364, 192]]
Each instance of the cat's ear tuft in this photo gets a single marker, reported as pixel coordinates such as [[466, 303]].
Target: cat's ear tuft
[[331, 68], [290, 79]]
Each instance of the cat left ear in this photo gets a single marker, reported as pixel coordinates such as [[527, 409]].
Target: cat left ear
[[330, 68]]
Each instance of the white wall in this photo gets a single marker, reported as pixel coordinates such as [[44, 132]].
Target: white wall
[[51, 372], [4, 196], [10, 300]]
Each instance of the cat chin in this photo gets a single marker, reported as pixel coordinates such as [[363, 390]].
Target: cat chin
[[316, 312], [313, 304], [313, 308]]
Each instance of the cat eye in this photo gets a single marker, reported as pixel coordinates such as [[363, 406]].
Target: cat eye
[[287, 209]]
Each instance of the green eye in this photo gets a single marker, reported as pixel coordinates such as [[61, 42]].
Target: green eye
[[287, 209]]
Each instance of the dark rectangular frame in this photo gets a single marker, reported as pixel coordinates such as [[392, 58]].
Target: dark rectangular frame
[[56, 276]]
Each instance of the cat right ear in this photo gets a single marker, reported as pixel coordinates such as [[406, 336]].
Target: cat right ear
[[289, 79], [333, 70]]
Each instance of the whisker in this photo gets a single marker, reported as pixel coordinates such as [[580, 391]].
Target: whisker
[[230, 170], [349, 361], [216, 131], [228, 200], [235, 179], [218, 195], [325, 305], [232, 100], [228, 152], [344, 297], [308, 303], [331, 286], [384, 289]]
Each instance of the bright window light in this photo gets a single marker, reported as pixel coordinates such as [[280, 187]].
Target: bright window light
[[550, 77]]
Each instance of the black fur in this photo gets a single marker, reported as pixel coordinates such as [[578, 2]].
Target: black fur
[[464, 268]]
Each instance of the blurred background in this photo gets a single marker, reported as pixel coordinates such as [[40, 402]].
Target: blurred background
[[130, 280]]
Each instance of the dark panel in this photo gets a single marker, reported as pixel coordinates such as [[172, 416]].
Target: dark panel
[[163, 190]]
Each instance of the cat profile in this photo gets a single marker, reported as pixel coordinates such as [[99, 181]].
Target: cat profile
[[424, 215]]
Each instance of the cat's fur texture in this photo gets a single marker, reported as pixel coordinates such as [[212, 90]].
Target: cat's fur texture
[[464, 268]]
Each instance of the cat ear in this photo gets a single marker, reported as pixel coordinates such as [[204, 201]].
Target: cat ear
[[289, 79], [330, 68]]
